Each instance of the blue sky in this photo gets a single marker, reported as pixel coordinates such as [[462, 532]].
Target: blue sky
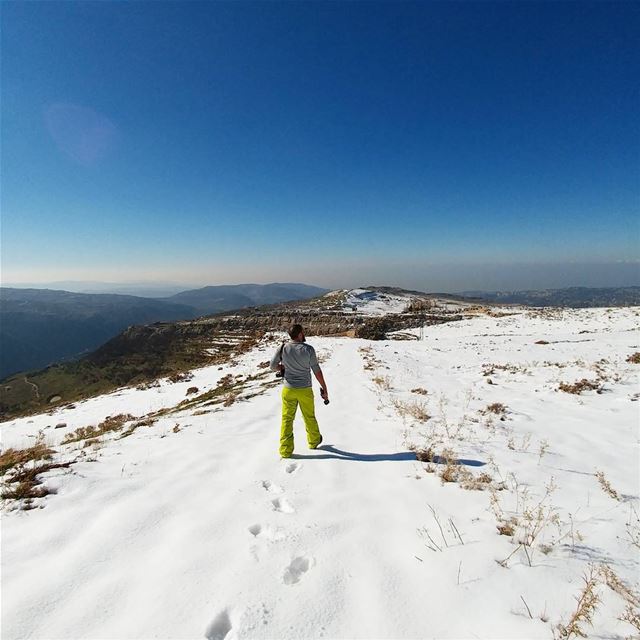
[[333, 143]]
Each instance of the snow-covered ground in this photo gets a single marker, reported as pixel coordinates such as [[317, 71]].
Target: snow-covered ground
[[374, 303], [194, 528]]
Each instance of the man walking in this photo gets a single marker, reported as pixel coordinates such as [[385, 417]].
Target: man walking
[[296, 360]]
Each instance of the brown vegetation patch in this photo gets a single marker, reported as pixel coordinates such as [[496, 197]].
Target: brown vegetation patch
[[425, 455], [496, 408], [24, 484], [414, 409], [581, 385], [634, 358], [111, 423], [11, 458]]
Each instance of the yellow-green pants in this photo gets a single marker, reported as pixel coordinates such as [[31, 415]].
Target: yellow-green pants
[[291, 398]]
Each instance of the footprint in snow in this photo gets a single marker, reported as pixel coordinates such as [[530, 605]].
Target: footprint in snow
[[265, 532], [219, 628], [282, 505], [291, 467], [271, 487], [296, 569]]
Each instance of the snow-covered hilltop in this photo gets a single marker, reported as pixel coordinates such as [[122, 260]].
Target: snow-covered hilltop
[[380, 301], [480, 480]]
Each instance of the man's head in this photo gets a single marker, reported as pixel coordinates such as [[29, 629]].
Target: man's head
[[296, 333]]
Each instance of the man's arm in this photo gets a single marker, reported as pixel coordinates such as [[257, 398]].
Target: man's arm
[[274, 365], [317, 371], [320, 378]]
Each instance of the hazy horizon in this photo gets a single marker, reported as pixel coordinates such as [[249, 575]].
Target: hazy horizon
[[446, 278]]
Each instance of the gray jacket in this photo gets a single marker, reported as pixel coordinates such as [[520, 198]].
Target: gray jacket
[[298, 359]]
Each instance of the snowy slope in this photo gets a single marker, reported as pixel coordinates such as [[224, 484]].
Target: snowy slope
[[374, 303], [194, 528]]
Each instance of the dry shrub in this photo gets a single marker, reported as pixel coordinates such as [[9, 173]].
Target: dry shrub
[[419, 391], [489, 369], [192, 390], [614, 582], [24, 491], [384, 382], [606, 486], [451, 469], [415, 409], [230, 399], [418, 411], [580, 386], [110, 423], [471, 482], [11, 458], [425, 455], [634, 358], [587, 603], [180, 376], [23, 483], [631, 613], [497, 408], [507, 527], [226, 381]]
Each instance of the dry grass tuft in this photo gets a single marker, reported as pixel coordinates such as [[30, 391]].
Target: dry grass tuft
[[587, 603], [634, 358], [21, 468], [581, 385], [425, 455], [180, 376], [12, 458], [471, 482], [507, 527], [614, 582], [497, 408], [384, 382], [230, 399], [490, 369], [111, 423], [414, 409], [419, 391], [451, 470], [606, 486]]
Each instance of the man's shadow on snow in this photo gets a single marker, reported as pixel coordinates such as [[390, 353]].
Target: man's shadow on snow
[[404, 456]]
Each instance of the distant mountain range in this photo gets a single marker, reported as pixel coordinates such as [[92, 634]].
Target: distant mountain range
[[574, 297], [228, 297], [42, 326]]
